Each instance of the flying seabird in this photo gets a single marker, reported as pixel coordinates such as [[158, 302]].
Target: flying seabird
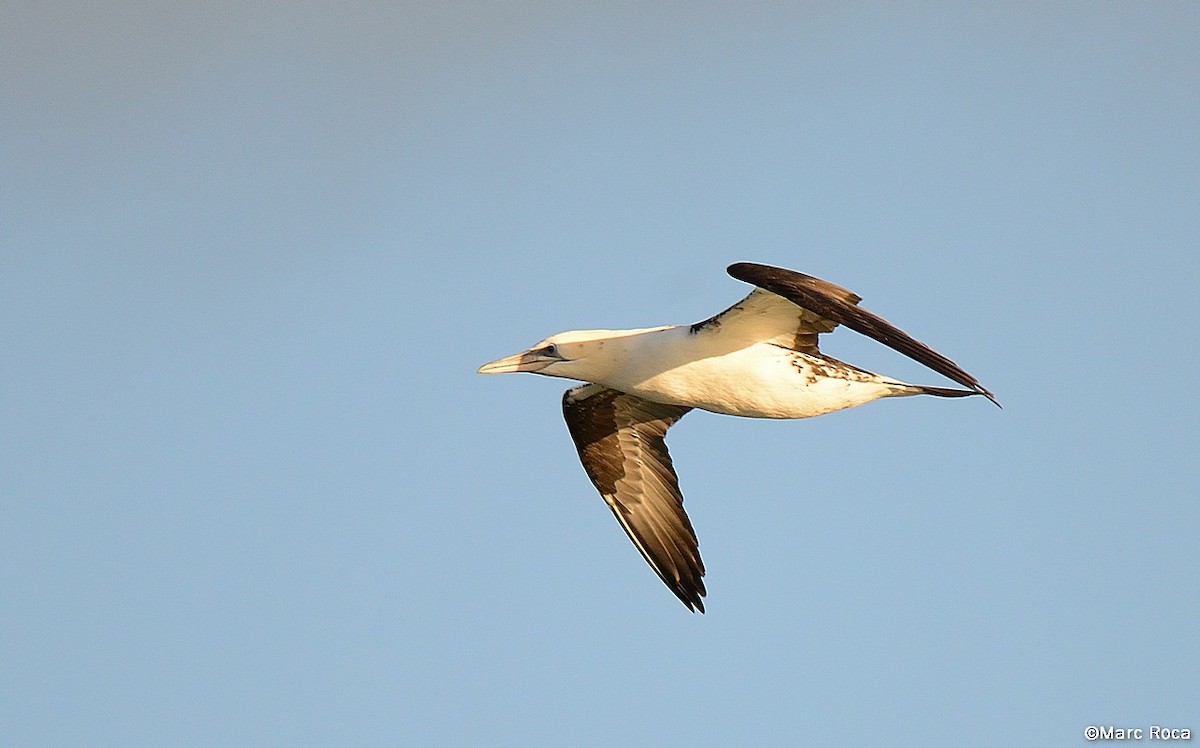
[[759, 359]]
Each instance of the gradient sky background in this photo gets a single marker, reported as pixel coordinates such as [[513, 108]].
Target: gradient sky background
[[254, 493]]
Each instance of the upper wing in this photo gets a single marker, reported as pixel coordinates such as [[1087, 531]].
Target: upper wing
[[767, 317], [620, 442], [835, 305]]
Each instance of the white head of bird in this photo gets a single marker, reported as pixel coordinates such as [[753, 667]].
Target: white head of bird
[[586, 355]]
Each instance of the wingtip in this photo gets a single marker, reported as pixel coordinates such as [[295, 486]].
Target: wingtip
[[692, 597], [739, 269], [978, 389]]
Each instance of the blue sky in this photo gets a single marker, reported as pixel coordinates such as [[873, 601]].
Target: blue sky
[[255, 494]]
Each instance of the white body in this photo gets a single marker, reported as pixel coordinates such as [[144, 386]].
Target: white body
[[736, 377]]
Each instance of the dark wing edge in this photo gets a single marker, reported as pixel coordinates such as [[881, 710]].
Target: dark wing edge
[[620, 440], [839, 305]]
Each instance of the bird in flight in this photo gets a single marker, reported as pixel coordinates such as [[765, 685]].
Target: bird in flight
[[758, 359]]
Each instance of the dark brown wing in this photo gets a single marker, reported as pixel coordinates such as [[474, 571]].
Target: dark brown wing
[[620, 439], [840, 306]]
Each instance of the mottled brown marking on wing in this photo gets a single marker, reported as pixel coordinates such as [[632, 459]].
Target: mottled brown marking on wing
[[620, 440]]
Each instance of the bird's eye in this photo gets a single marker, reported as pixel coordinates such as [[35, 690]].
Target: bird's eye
[[550, 350]]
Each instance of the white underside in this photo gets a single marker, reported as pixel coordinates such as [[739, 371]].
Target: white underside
[[759, 380]]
